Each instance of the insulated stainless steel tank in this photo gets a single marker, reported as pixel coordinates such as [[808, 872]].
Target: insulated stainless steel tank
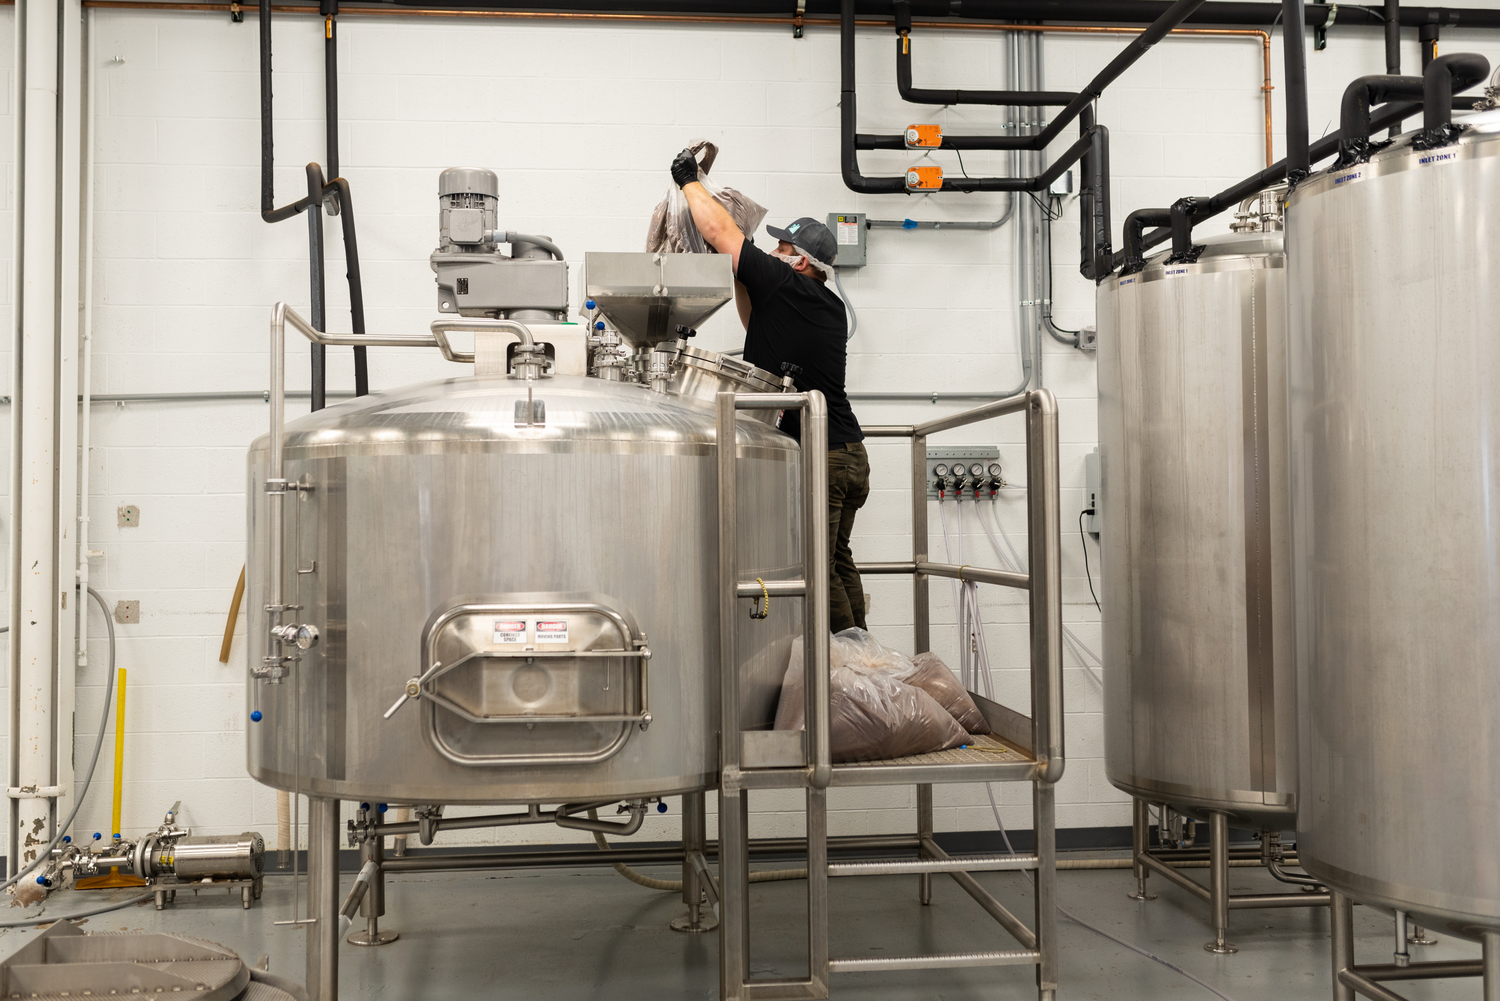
[[1199, 689], [510, 550], [1394, 362]]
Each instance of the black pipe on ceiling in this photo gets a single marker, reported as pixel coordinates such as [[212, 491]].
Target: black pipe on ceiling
[[1181, 223], [1217, 12], [1294, 49], [924, 95], [851, 142], [1392, 11], [854, 141], [332, 194], [1095, 254], [1444, 77], [315, 283], [1354, 111], [1328, 146], [1134, 252]]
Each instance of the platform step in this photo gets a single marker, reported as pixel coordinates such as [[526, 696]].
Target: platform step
[[1013, 957], [997, 863]]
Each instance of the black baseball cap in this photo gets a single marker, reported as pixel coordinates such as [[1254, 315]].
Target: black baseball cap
[[811, 235]]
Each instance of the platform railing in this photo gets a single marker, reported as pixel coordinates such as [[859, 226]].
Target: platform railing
[[760, 760]]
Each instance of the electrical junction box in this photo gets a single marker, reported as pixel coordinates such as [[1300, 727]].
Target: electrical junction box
[[1064, 184], [849, 231], [482, 284], [924, 136], [946, 460], [1092, 523], [924, 178]]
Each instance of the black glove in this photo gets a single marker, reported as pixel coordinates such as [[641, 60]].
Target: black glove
[[685, 168]]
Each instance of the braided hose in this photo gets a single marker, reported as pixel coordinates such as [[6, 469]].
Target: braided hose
[[772, 876]]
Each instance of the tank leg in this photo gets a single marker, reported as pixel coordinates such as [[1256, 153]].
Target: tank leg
[[323, 899], [1218, 882], [924, 832], [694, 835], [1492, 966], [1140, 840], [1341, 924], [372, 907]]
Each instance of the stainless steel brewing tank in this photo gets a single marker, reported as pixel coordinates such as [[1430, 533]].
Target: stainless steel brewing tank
[[1394, 359], [1199, 687], [441, 528]]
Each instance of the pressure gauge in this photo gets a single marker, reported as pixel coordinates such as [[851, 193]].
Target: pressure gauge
[[994, 469], [977, 469], [941, 469]]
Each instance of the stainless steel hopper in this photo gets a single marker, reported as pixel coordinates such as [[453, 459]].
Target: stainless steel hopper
[[645, 296]]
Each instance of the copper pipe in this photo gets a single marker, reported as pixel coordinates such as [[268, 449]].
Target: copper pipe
[[816, 22]]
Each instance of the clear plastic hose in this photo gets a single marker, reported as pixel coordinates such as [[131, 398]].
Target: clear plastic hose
[[983, 669], [652, 883], [102, 909], [81, 790]]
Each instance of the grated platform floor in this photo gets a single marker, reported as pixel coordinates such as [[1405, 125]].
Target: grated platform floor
[[981, 750]]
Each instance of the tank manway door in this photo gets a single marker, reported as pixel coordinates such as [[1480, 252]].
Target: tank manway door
[[551, 683]]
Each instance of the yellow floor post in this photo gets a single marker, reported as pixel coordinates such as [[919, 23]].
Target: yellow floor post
[[115, 878]]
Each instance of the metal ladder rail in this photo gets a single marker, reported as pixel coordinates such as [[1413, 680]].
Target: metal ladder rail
[[734, 833], [1042, 736], [1042, 733]]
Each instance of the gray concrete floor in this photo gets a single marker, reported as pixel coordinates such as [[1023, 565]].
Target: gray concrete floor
[[589, 934]]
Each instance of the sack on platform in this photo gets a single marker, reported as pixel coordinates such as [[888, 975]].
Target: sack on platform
[[872, 715]]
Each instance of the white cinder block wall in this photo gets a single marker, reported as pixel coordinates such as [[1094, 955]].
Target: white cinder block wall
[[581, 120]]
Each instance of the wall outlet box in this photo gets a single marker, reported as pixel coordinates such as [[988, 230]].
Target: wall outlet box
[[127, 612], [1092, 523], [849, 233], [129, 516]]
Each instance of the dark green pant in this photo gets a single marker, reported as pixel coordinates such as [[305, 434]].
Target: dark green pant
[[848, 489]]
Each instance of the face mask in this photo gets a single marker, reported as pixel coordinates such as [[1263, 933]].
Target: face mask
[[792, 260]]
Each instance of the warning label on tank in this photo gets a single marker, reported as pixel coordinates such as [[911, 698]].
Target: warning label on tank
[[510, 630], [552, 630]]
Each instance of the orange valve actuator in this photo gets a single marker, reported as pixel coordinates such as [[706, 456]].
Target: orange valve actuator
[[924, 178], [924, 136]]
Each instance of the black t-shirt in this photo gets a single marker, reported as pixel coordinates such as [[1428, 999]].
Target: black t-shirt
[[797, 319]]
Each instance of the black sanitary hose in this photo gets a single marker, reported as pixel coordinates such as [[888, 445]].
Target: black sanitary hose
[[315, 283], [333, 193]]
